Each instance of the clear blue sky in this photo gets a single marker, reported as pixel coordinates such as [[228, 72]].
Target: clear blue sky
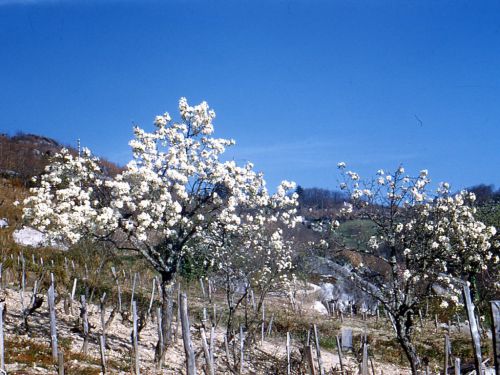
[[300, 85]]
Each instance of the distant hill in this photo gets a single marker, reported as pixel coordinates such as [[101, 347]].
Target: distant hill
[[23, 156]]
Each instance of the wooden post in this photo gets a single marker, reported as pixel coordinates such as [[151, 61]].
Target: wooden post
[[288, 353], [495, 314], [226, 346], [73, 290], [457, 366], [152, 296], [364, 363], [318, 350], [102, 346], [310, 361], [205, 318], [60, 363], [242, 352], [133, 290], [85, 321], [212, 345], [103, 316], [115, 276], [53, 324], [206, 351], [134, 337], [186, 337], [202, 288], [23, 279], [476, 343], [178, 311], [339, 349], [214, 317], [446, 353], [269, 329], [209, 290], [263, 328], [2, 348]]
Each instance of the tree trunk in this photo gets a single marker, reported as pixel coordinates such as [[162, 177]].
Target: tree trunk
[[409, 349], [167, 295]]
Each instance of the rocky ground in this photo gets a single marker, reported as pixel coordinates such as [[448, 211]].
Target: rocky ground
[[29, 353]]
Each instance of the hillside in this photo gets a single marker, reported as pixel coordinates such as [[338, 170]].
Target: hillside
[[24, 156], [322, 297]]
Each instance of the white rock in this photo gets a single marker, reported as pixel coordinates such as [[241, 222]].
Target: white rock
[[326, 293], [320, 308], [4, 223], [27, 236]]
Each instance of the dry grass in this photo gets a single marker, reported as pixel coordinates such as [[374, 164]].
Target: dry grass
[[27, 353]]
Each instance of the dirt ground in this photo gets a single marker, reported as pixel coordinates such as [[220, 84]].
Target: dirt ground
[[118, 353]]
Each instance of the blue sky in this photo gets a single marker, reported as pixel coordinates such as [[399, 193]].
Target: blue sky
[[300, 85]]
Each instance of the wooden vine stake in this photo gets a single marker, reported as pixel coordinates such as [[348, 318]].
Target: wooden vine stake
[[364, 363], [152, 296], [60, 363], [115, 276], [339, 349], [133, 290], [2, 348], [495, 313], [53, 324], [263, 328], [446, 354], [457, 366], [288, 369], [134, 338], [135, 343], [212, 346], [474, 332], [103, 316], [85, 322], [310, 360], [318, 350], [102, 346], [242, 351], [202, 285], [186, 337], [74, 289], [206, 351]]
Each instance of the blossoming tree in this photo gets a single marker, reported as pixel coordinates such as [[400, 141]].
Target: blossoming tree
[[173, 193], [254, 253], [421, 241]]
